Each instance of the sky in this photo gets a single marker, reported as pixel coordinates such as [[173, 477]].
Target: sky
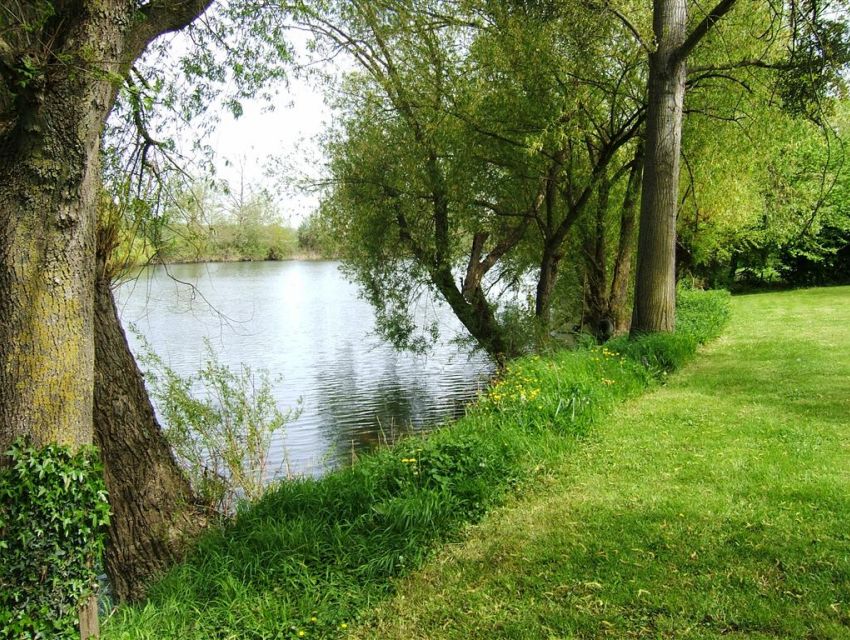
[[288, 132], [285, 135]]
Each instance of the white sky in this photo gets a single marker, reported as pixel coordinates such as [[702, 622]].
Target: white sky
[[284, 132], [288, 132]]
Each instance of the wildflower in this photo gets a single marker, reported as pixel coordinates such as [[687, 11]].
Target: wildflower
[[314, 619], [301, 633], [343, 626]]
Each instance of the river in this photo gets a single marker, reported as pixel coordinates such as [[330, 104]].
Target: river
[[303, 322]]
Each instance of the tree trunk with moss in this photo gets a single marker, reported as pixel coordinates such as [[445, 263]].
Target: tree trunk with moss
[[60, 66], [154, 513]]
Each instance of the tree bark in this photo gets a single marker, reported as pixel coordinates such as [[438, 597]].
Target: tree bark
[[655, 282], [52, 110], [552, 239], [596, 267], [549, 262], [153, 509], [57, 87], [49, 174], [619, 296]]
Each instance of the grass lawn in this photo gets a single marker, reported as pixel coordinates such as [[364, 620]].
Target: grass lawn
[[715, 506]]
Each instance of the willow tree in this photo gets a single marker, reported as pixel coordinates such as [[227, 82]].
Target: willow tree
[[470, 146]]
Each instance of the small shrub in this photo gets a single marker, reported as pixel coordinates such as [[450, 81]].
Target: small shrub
[[701, 314], [223, 435]]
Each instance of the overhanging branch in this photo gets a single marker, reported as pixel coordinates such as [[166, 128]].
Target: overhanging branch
[[157, 18]]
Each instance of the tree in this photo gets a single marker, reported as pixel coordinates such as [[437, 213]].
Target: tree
[[61, 64], [816, 51], [60, 68], [470, 149]]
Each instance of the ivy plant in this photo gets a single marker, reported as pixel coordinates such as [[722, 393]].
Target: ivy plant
[[53, 518]]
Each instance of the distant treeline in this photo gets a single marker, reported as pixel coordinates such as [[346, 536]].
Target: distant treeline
[[204, 224]]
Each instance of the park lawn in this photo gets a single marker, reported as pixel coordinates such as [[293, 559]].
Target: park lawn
[[717, 505]]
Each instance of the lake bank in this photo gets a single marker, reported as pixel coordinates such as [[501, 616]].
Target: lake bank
[[313, 556]]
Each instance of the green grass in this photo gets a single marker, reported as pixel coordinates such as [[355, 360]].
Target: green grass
[[716, 506], [314, 557]]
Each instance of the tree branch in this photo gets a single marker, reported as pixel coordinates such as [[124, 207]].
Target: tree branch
[[157, 18], [721, 9], [627, 23], [741, 64]]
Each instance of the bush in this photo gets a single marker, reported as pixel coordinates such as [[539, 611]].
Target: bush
[[221, 436], [701, 314], [53, 519]]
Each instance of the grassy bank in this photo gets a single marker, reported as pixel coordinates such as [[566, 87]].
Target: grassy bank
[[314, 556], [716, 506]]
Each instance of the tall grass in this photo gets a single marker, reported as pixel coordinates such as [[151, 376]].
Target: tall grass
[[311, 555]]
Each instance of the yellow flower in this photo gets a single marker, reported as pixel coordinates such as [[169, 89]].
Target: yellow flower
[[343, 626], [301, 633]]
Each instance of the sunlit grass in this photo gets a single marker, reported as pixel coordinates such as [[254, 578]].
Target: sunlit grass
[[716, 506], [314, 556]]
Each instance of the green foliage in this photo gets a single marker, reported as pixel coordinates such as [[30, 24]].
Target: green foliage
[[222, 434], [315, 238], [313, 555], [452, 129], [53, 518]]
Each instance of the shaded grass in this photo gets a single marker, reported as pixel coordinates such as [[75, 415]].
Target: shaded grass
[[313, 556], [715, 506]]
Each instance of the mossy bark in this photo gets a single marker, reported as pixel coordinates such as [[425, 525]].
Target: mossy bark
[[49, 175], [59, 74], [154, 514]]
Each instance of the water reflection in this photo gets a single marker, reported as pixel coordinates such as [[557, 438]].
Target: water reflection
[[304, 322]]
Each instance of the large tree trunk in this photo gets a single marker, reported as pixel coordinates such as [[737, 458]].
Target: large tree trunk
[[153, 509], [48, 180], [551, 257], [57, 87], [655, 282], [49, 176]]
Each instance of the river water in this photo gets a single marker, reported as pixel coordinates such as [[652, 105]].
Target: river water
[[304, 322]]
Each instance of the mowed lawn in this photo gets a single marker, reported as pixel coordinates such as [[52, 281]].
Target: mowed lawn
[[716, 506]]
